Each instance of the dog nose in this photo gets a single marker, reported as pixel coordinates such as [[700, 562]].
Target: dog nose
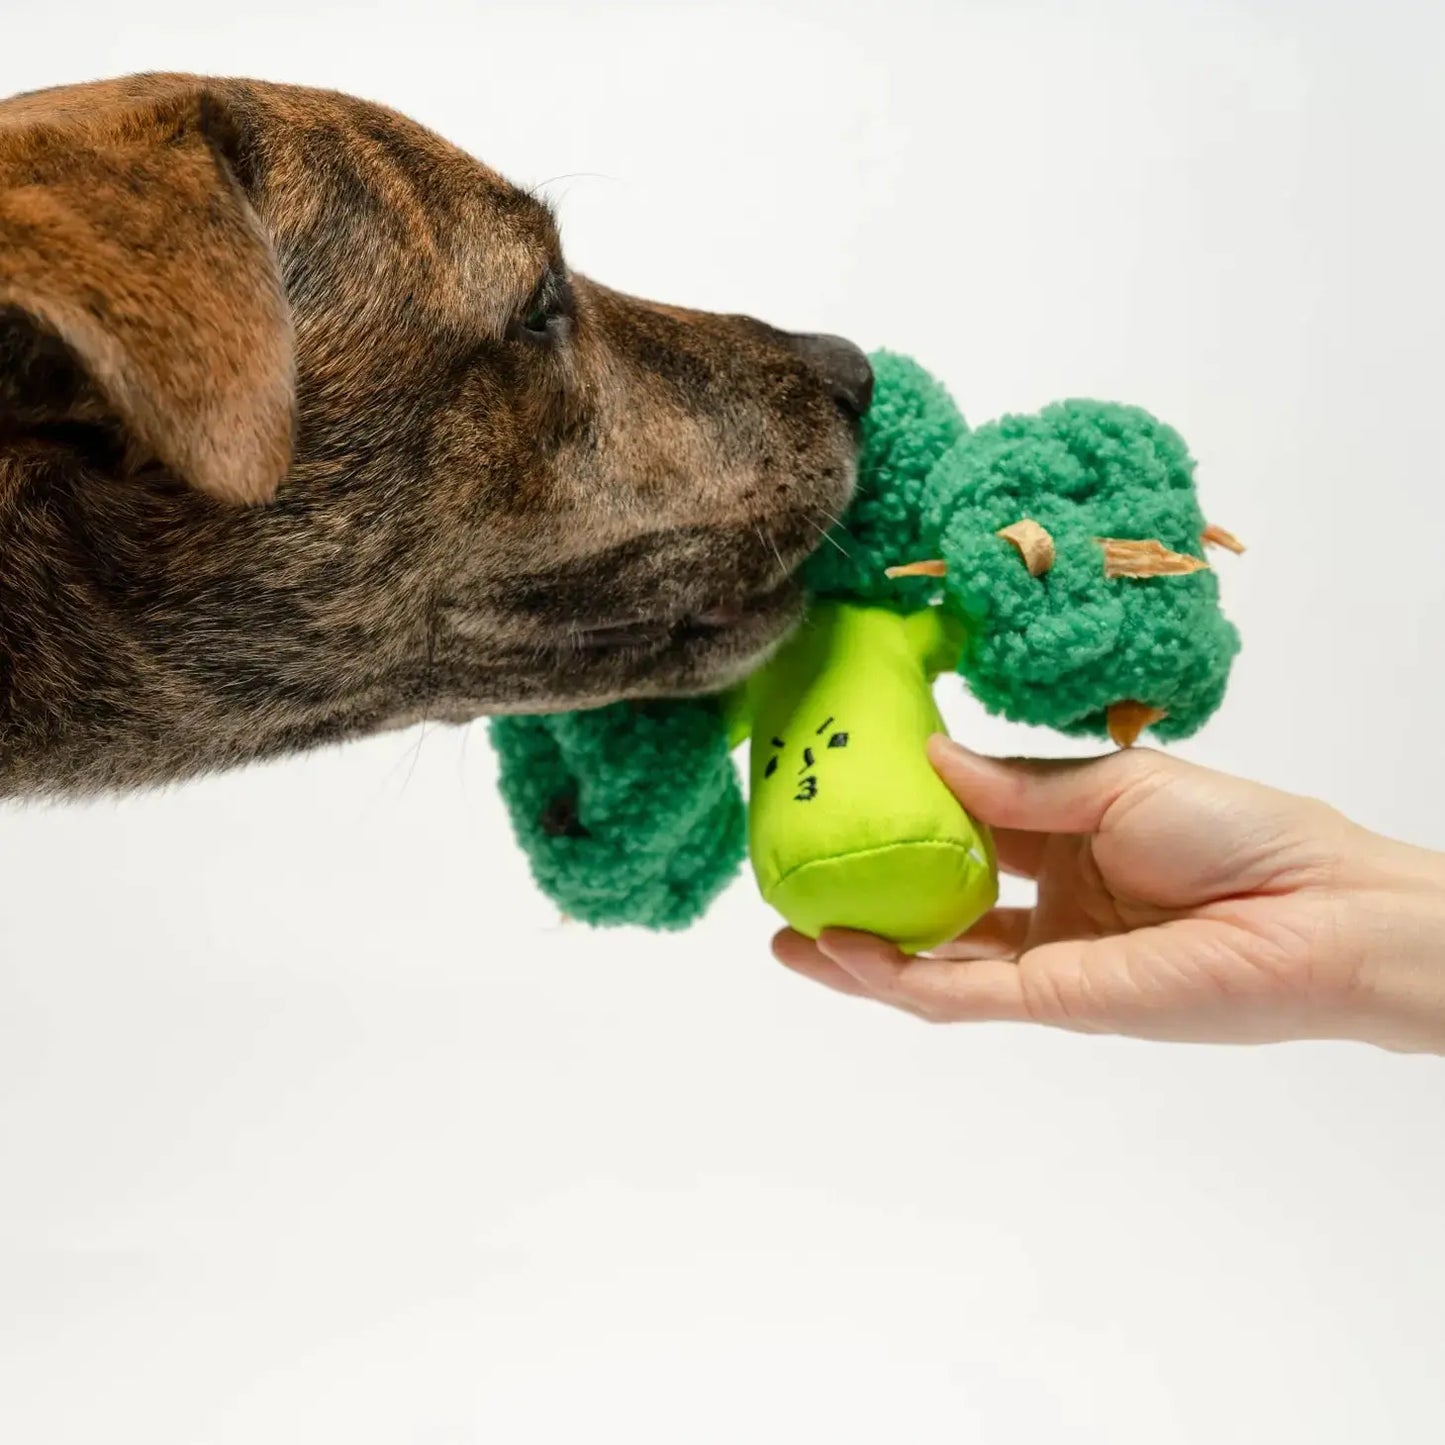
[[844, 368]]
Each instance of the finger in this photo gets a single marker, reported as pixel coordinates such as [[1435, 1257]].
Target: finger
[[871, 964], [803, 957], [998, 934], [1060, 796], [937, 989], [1019, 852]]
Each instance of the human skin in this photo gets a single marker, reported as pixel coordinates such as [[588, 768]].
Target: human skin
[[1173, 903]]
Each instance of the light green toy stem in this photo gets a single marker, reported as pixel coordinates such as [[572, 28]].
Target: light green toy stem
[[849, 825]]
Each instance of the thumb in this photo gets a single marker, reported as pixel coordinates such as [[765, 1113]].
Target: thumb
[[1036, 796]]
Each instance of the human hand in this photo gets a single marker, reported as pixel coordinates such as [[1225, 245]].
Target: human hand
[[1172, 903]]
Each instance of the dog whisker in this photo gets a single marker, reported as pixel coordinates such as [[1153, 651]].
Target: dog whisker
[[768, 542], [416, 752], [572, 176], [828, 537], [538, 192], [425, 707]]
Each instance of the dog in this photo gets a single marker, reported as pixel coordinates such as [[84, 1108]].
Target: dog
[[308, 431]]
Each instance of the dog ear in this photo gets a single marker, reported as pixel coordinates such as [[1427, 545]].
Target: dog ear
[[126, 235]]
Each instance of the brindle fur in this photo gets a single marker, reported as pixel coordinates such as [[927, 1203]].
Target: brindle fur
[[280, 463]]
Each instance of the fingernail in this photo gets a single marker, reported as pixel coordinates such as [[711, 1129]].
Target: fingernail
[[940, 745], [949, 749]]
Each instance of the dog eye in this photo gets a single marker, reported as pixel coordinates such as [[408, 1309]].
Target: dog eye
[[548, 311], [538, 321]]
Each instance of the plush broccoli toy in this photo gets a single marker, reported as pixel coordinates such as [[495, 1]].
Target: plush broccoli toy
[[1056, 561]]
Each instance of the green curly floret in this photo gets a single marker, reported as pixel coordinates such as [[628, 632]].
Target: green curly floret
[[911, 424], [1059, 649], [630, 814]]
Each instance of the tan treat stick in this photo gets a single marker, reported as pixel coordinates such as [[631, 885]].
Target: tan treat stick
[[1033, 543], [919, 569], [1213, 536], [1124, 557]]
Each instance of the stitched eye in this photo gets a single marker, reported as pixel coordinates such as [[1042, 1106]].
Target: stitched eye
[[838, 740]]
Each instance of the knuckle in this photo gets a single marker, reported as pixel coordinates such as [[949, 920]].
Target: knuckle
[[1146, 767]]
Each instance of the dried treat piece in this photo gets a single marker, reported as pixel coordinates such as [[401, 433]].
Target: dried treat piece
[[1034, 545], [1124, 557], [1213, 536], [919, 569], [1128, 719]]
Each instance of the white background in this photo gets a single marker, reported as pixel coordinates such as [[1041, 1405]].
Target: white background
[[315, 1125]]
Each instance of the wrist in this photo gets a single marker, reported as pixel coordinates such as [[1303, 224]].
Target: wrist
[[1399, 935]]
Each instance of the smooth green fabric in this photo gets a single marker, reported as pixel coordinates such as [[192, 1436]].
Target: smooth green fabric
[[849, 825]]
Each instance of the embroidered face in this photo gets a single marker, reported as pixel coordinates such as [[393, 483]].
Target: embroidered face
[[801, 769]]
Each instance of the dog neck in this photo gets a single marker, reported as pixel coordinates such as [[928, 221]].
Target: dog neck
[[148, 636]]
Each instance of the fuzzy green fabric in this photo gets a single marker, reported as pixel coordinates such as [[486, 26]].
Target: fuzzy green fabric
[[630, 814], [911, 425], [1059, 649]]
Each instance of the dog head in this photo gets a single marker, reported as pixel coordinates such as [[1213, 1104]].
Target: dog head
[[307, 417]]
